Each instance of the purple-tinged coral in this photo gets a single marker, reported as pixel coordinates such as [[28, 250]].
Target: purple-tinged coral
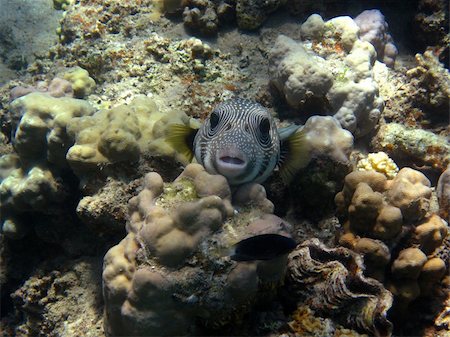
[[374, 29]]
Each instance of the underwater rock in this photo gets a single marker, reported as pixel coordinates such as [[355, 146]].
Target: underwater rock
[[106, 211], [329, 71], [155, 281], [374, 29], [331, 281]]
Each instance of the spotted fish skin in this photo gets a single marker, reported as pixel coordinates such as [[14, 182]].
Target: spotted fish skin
[[240, 141]]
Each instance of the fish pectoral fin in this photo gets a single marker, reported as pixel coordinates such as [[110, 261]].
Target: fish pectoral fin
[[295, 155], [181, 138]]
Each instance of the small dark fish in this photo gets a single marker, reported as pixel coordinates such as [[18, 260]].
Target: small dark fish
[[263, 247]]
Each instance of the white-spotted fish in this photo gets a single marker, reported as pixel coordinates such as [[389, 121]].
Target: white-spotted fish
[[240, 141]]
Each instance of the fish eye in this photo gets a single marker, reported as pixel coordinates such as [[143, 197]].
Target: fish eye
[[214, 120], [264, 127]]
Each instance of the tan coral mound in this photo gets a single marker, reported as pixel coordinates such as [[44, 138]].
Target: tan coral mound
[[390, 223], [158, 278]]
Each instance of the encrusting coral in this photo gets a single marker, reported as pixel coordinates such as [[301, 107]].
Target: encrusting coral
[[57, 133], [155, 281], [417, 146]]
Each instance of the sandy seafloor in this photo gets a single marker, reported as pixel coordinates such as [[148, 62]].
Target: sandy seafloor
[[51, 266]]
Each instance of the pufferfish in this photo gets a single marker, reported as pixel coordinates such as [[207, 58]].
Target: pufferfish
[[240, 141]]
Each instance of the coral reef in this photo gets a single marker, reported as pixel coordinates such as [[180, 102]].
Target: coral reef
[[416, 146], [374, 29], [69, 167], [155, 280], [330, 70], [417, 97], [182, 73], [325, 137], [206, 17], [25, 190], [331, 281], [306, 323], [57, 87], [389, 223]]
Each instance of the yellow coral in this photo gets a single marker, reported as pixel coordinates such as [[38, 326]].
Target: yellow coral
[[378, 162], [82, 83]]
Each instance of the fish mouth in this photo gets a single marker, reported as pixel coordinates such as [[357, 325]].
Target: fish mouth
[[232, 160], [231, 163]]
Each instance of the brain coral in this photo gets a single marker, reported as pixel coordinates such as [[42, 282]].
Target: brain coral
[[158, 279], [330, 70]]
